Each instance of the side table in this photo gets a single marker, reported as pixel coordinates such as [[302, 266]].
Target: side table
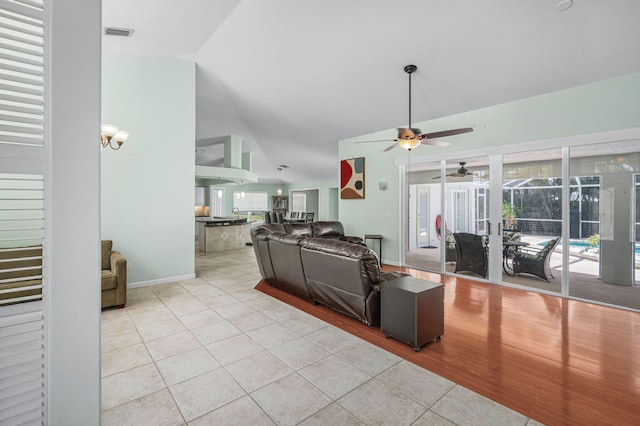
[[379, 239], [412, 311]]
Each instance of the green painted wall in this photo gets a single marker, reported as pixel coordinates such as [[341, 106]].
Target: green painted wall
[[147, 185], [603, 106]]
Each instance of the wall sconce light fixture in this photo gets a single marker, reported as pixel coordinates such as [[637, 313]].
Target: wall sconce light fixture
[[109, 134]]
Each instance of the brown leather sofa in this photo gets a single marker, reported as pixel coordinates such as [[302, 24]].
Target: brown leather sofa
[[317, 262], [114, 277]]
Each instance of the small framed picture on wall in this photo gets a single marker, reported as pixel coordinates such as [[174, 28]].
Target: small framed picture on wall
[[352, 178]]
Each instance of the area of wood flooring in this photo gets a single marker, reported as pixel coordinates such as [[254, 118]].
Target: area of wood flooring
[[555, 360]]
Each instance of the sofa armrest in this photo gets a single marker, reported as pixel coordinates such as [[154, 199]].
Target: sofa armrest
[[389, 276], [119, 267], [354, 240]]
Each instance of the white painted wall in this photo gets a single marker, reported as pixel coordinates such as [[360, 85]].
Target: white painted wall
[[148, 184], [72, 224]]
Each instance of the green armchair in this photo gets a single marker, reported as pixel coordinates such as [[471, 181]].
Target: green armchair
[[114, 277], [20, 274]]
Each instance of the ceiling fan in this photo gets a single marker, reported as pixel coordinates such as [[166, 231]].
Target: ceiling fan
[[411, 137], [461, 172]]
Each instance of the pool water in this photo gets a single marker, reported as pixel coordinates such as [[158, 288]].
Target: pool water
[[585, 244]]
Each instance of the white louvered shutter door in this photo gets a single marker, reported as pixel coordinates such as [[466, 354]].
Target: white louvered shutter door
[[22, 191]]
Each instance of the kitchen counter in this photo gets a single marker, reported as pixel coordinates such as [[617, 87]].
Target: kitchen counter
[[222, 233]]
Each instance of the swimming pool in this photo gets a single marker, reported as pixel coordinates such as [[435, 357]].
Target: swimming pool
[[578, 244]]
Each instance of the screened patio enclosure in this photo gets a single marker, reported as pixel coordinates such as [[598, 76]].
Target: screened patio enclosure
[[586, 195]]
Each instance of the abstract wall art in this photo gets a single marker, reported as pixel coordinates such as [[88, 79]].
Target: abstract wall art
[[352, 178]]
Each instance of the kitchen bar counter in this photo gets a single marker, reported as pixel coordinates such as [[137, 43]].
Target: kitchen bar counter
[[222, 233]]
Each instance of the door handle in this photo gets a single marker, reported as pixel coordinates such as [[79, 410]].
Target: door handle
[[489, 227]]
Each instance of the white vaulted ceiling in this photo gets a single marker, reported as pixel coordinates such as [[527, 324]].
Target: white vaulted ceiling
[[292, 77]]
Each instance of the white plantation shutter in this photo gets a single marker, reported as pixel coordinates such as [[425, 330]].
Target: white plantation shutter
[[21, 72], [21, 365], [22, 193], [21, 235]]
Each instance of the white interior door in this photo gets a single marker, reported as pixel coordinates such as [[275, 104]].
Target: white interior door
[[217, 202], [460, 211], [423, 230]]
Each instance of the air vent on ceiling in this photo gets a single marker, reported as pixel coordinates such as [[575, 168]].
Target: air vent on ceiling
[[120, 32]]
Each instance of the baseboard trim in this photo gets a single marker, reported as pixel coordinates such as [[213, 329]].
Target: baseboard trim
[[161, 281], [388, 262]]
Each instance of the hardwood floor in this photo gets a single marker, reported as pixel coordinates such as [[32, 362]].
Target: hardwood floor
[[555, 360]]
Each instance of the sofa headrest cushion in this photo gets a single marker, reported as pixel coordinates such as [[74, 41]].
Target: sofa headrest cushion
[[300, 229], [275, 227], [339, 248], [288, 239], [327, 229], [261, 232], [106, 254]]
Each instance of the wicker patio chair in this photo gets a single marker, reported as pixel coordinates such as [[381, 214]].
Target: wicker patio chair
[[471, 254], [529, 260]]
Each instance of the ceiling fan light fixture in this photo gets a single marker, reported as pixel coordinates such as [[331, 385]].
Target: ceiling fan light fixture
[[409, 144]]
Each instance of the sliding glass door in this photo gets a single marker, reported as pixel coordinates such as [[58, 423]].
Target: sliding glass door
[[637, 228], [603, 244], [563, 220], [443, 203], [532, 219], [424, 239], [465, 216]]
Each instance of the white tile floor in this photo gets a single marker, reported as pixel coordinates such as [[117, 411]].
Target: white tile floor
[[214, 351]]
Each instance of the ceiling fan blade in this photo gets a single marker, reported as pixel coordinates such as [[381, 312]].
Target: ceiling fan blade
[[435, 142], [395, 145], [445, 133], [449, 175], [379, 140]]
